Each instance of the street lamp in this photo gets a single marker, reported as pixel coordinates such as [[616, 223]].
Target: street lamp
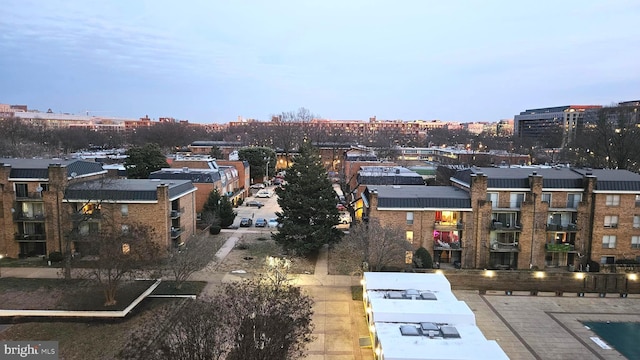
[[267, 159], [1, 256]]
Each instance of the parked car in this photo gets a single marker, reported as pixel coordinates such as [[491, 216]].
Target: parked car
[[245, 222], [263, 194], [257, 186], [273, 223], [260, 222], [254, 203]]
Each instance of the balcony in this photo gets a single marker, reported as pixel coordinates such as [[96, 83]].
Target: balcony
[[20, 216], [176, 213], [440, 245], [175, 232], [447, 226], [505, 247], [558, 227], [23, 195], [561, 247], [30, 237], [499, 226]]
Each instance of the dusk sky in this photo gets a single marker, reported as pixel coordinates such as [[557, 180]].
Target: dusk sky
[[212, 61]]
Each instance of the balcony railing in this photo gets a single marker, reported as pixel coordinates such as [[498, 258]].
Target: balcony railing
[[28, 217], [447, 226], [175, 232], [499, 226], [559, 247], [30, 237], [505, 247], [21, 195], [558, 227], [439, 245], [176, 213]]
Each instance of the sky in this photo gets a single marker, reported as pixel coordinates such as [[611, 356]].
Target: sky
[[212, 61]]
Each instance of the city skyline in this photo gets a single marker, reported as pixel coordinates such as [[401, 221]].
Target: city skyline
[[212, 62]]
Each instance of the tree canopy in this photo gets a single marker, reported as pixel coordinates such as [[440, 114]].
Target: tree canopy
[[142, 161], [257, 158], [308, 202], [218, 208]]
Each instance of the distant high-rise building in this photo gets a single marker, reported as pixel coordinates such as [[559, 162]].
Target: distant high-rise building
[[558, 122]]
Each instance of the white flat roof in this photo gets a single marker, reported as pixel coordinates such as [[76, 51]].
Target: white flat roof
[[414, 311], [440, 295], [404, 281], [471, 345]]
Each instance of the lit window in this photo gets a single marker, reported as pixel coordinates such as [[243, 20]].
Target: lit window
[[125, 248], [409, 236], [409, 218], [635, 242], [408, 257], [124, 209], [609, 242], [613, 200], [611, 221]]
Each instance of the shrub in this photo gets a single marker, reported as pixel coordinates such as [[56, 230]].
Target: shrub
[[422, 259], [214, 229], [56, 256]]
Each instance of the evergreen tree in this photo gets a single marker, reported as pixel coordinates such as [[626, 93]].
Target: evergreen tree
[[142, 161], [308, 204], [226, 213], [218, 208]]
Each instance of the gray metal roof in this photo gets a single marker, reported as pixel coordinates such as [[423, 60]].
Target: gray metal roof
[[518, 178], [194, 175], [125, 189], [39, 168], [614, 180], [420, 196]]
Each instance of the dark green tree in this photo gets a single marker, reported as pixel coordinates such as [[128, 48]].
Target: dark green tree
[[218, 208], [422, 258], [142, 161], [216, 153], [308, 204], [259, 158]]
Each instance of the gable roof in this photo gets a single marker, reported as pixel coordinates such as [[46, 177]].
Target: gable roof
[[420, 197], [123, 190]]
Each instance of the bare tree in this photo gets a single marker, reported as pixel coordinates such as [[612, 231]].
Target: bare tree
[[258, 319], [121, 250], [371, 247]]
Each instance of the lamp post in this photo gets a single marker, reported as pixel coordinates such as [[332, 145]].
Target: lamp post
[[266, 169], [1, 256]]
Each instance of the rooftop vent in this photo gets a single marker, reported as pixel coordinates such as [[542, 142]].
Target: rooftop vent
[[535, 173], [428, 296], [449, 332], [429, 326], [396, 295], [409, 330], [185, 169]]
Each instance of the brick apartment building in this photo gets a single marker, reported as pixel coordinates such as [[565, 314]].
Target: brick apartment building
[[519, 217], [38, 195]]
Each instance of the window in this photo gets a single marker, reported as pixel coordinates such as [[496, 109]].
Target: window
[[573, 200], [409, 236], [126, 249], [609, 242], [44, 186], [637, 200], [22, 191], [409, 218], [124, 209], [611, 221], [635, 242], [516, 200], [546, 197], [608, 260], [493, 197], [408, 257], [612, 200], [125, 228], [636, 221]]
